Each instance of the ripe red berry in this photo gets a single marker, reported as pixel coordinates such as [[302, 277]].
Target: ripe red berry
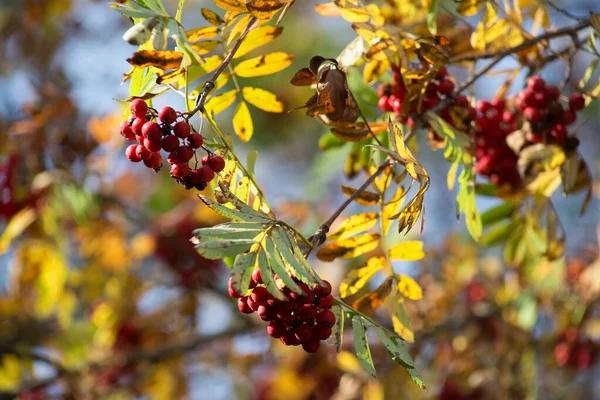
[[252, 304], [533, 115], [303, 333], [206, 174], [138, 108], [151, 130], [568, 117], [446, 87], [383, 104], [154, 161], [260, 295], [536, 84], [170, 143], [498, 103], [321, 332], [326, 318], [153, 145], [461, 101], [142, 152], [327, 302], [441, 73], [231, 290], [396, 105], [243, 306], [285, 317], [308, 312], [173, 158], [180, 170], [552, 93], [140, 139], [185, 152], [256, 277], [265, 313], [276, 329], [195, 140], [289, 339], [137, 125], [167, 115], [182, 129], [131, 153], [126, 131], [576, 102], [312, 346], [216, 163], [322, 291]]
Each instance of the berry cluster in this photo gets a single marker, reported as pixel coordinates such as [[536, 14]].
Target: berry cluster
[[541, 106], [495, 159], [574, 350], [172, 136], [304, 319]]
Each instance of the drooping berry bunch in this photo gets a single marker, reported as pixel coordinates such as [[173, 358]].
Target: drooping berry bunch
[[174, 137], [541, 106], [575, 350], [299, 320], [495, 159]]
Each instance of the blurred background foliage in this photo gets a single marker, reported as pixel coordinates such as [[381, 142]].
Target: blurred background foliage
[[103, 296]]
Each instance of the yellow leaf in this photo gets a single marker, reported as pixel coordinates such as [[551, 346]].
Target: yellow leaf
[[404, 331], [349, 248], [16, 226], [409, 288], [206, 32], [366, 198], [265, 9], [159, 59], [205, 46], [373, 391], [242, 122], [263, 65], [470, 7], [211, 17], [348, 362], [372, 301], [262, 99], [355, 14], [354, 224], [10, 372], [238, 28], [231, 5], [411, 250], [358, 278], [220, 103], [257, 38], [374, 69], [51, 277], [391, 208]]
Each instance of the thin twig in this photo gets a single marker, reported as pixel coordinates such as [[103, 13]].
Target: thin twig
[[364, 119], [321, 234], [562, 11], [210, 84]]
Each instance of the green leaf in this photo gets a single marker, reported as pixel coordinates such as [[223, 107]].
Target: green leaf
[[248, 212], [179, 10], [456, 143], [239, 230], [267, 276], [466, 204], [155, 5], [527, 314], [134, 13], [394, 345], [499, 233], [414, 375], [337, 331], [362, 346], [293, 257], [278, 266], [242, 272], [251, 161], [222, 210], [431, 14], [217, 249], [498, 213]]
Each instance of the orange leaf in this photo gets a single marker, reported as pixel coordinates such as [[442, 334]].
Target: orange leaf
[[152, 58], [366, 198]]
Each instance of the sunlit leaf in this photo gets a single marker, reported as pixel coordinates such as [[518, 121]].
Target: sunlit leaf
[[205, 46], [152, 58], [265, 9], [231, 5], [401, 323], [264, 65], [372, 301], [242, 122], [355, 224], [220, 103], [409, 288], [357, 278], [206, 32], [258, 37], [355, 14], [365, 198], [411, 250], [211, 17], [349, 248], [278, 266], [16, 226], [262, 99], [218, 249]]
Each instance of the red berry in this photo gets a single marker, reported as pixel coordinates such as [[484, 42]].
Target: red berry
[[383, 104], [326, 318], [498, 103], [508, 117], [532, 114], [253, 304], [137, 125], [289, 339], [256, 277], [140, 139], [180, 170], [541, 101], [151, 130], [308, 313], [243, 306], [195, 140], [260, 295], [311, 346], [173, 158], [205, 174], [205, 159], [483, 106], [321, 332], [126, 131], [265, 313], [431, 89], [441, 73], [142, 152], [216, 163], [276, 329], [568, 117], [285, 317], [154, 161], [185, 152], [138, 108], [153, 146], [322, 291], [446, 87], [182, 129], [303, 333], [552, 93], [231, 290], [576, 102], [461, 101], [167, 115], [170, 143], [561, 353], [536, 84], [396, 105], [327, 302], [131, 153]]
